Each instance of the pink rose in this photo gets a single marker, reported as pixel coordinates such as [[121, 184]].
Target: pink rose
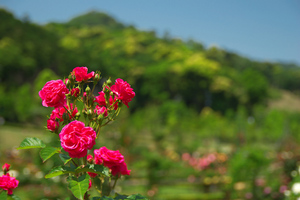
[[8, 183], [76, 139], [53, 94], [6, 167], [90, 158], [101, 110], [52, 125], [92, 175], [111, 159], [81, 74], [120, 169], [108, 157], [123, 91], [75, 92], [57, 113], [101, 100]]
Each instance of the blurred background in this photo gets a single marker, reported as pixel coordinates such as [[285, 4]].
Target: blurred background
[[217, 107]]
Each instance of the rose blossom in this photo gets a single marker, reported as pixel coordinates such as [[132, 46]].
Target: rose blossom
[[76, 139], [57, 113], [75, 92], [120, 169], [53, 94], [108, 157], [111, 159], [81, 74], [101, 110], [52, 125], [101, 100], [123, 91], [6, 167], [8, 183]]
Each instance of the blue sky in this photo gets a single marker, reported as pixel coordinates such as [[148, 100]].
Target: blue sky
[[265, 30]]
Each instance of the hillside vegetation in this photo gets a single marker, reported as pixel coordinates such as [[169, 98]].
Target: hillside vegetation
[[159, 69]]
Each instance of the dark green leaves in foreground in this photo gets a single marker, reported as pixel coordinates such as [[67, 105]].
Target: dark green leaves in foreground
[[31, 143], [79, 185]]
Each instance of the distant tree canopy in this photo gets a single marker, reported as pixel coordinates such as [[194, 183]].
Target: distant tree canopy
[[159, 69]]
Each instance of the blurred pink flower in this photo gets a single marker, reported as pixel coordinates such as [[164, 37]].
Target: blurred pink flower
[[81, 74]]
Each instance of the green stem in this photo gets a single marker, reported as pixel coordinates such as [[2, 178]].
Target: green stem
[[113, 187], [74, 162]]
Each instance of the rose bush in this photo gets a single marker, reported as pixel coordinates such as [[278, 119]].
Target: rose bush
[[78, 131]]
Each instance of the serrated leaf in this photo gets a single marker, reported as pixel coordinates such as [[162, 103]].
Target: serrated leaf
[[31, 143], [78, 186], [48, 152], [60, 170], [65, 158], [3, 195]]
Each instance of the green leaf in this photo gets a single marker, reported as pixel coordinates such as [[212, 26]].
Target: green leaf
[[60, 170], [3, 195], [31, 143], [65, 158], [48, 152], [78, 186]]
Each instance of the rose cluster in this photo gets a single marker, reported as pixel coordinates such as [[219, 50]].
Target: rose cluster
[[76, 136], [8, 182]]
